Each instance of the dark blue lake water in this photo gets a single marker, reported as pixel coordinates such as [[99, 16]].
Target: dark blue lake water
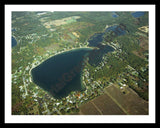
[[114, 14], [95, 56], [61, 74], [116, 29], [14, 42], [13, 30], [137, 14], [97, 38]]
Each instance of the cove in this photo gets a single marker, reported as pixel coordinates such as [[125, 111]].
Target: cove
[[61, 74]]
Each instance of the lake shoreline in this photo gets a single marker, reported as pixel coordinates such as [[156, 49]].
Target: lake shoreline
[[68, 50], [60, 72]]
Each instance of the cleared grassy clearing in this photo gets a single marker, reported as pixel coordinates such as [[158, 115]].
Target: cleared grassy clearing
[[62, 21]]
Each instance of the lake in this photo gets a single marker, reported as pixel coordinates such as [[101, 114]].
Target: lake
[[61, 74], [116, 29], [114, 14], [14, 42], [97, 38], [95, 56], [137, 14]]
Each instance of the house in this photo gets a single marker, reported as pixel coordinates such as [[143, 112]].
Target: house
[[124, 85], [121, 87], [21, 88], [35, 100], [57, 104]]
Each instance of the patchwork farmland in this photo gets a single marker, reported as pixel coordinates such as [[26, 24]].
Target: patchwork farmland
[[115, 102]]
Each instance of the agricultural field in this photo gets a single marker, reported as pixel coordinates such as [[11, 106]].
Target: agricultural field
[[102, 105], [116, 101], [128, 100]]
